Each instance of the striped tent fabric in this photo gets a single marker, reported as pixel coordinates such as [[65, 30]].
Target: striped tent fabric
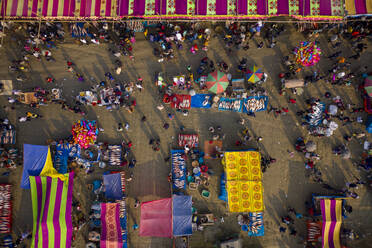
[[51, 205], [237, 9], [58, 8], [185, 9], [110, 226], [37, 8], [358, 7], [332, 220]]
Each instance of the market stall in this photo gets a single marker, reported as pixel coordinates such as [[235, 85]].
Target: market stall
[[178, 169], [168, 217], [191, 140], [7, 134], [111, 233], [170, 9], [52, 217], [5, 208], [114, 184], [243, 181]]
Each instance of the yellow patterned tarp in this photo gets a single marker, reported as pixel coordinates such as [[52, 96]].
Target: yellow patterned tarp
[[245, 196], [245, 166], [244, 186]]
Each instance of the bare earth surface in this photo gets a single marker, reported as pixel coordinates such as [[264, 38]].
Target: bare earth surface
[[285, 183]]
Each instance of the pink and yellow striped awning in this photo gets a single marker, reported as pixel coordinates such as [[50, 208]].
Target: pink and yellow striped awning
[[174, 9]]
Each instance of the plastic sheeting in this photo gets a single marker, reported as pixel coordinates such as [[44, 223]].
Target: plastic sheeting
[[34, 158], [201, 101], [223, 191], [156, 218], [112, 183], [37, 160], [182, 212], [369, 124]]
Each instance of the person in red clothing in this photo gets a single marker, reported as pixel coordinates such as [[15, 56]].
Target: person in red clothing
[[49, 80], [292, 100]]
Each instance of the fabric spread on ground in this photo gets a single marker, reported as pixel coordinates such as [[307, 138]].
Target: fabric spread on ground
[[113, 186], [51, 205], [156, 218], [181, 101], [111, 235], [244, 186], [201, 101], [332, 220]]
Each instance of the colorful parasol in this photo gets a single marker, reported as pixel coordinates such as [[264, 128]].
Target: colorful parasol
[[217, 82], [254, 74], [307, 53], [368, 85]]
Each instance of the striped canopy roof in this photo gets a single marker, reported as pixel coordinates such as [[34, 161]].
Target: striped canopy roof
[[183, 9], [358, 7]]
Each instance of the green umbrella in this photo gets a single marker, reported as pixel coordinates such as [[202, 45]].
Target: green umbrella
[[217, 82]]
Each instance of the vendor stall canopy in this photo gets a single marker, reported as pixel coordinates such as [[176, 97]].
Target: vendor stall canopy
[[355, 8], [176, 9]]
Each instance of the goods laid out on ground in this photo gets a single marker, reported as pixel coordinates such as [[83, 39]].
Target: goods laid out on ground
[[178, 169], [191, 140], [5, 208]]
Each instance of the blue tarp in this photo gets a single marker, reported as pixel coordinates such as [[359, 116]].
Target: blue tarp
[[178, 169], [63, 152], [230, 104], [369, 124], [113, 189], [255, 104], [201, 101], [34, 158], [182, 214], [255, 229], [223, 191], [246, 105]]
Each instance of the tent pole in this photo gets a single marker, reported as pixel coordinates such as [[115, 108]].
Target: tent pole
[[3, 8], [38, 32]]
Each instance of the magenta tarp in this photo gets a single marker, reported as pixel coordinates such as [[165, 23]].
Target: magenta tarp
[[156, 218], [185, 9]]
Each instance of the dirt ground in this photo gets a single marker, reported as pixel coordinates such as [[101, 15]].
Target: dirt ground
[[285, 182]]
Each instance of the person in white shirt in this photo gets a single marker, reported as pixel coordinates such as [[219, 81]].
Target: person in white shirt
[[22, 119]]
